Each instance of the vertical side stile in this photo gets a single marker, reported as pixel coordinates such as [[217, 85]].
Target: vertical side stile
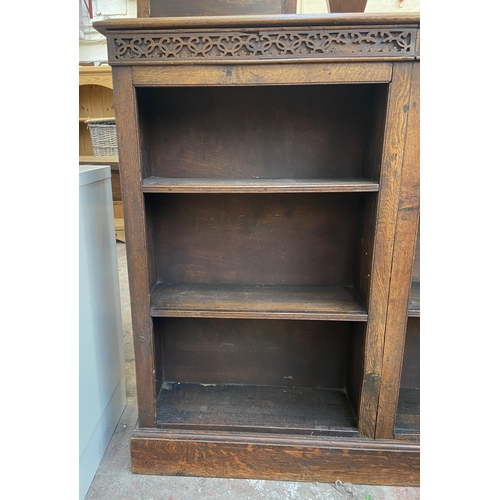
[[129, 153], [402, 267], [387, 212]]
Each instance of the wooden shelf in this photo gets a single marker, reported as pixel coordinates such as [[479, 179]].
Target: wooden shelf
[[414, 301], [257, 302], [298, 410], [112, 161], [408, 414], [210, 185]]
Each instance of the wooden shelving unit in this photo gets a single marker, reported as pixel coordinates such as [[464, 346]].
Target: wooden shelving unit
[[270, 181], [96, 101]]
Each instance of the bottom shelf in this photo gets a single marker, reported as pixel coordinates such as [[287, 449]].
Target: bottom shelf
[[408, 416], [297, 410]]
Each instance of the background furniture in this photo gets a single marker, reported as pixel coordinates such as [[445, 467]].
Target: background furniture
[[101, 363], [270, 185], [173, 8], [96, 101]]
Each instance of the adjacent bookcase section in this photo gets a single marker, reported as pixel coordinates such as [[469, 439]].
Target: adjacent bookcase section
[[261, 198], [407, 425]]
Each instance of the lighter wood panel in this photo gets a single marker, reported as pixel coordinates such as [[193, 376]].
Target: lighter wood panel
[[96, 101], [85, 143], [96, 75], [263, 74]]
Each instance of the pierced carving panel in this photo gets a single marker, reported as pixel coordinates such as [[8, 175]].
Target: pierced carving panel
[[260, 45]]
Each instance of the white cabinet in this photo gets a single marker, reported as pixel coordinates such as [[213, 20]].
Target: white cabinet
[[102, 365]]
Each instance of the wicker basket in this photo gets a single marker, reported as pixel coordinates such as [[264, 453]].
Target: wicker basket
[[103, 136]]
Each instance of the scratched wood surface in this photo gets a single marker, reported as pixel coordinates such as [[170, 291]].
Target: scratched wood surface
[[255, 352], [383, 246], [264, 132], [198, 257], [255, 239], [139, 261], [402, 266], [257, 456]]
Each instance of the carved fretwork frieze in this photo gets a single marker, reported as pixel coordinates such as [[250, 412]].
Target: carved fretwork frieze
[[261, 45]]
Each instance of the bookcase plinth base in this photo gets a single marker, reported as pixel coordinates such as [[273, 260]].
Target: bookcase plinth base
[[274, 457]]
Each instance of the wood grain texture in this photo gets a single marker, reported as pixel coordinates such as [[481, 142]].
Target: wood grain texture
[[294, 410], [264, 132], [387, 214], [96, 75], [255, 239], [255, 352], [223, 272], [402, 265], [263, 74], [257, 456], [137, 247], [257, 302], [286, 20], [95, 101], [208, 185]]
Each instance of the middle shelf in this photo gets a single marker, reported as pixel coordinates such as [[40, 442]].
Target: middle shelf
[[157, 184], [339, 303]]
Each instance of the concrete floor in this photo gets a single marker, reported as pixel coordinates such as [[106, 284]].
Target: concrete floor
[[114, 481]]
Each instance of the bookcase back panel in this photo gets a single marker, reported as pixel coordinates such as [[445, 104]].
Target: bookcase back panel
[[302, 131], [269, 239], [254, 352]]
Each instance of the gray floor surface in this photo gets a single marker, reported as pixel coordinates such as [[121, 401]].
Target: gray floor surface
[[114, 481]]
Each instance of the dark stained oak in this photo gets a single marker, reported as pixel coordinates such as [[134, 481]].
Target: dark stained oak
[[277, 457], [139, 265], [297, 410], [255, 239], [384, 243], [408, 415], [270, 175], [377, 20], [402, 265], [256, 302], [255, 352], [210, 185]]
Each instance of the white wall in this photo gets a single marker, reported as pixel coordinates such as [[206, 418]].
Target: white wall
[[93, 45]]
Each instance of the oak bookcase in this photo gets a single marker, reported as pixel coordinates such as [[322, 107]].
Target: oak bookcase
[[269, 169]]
